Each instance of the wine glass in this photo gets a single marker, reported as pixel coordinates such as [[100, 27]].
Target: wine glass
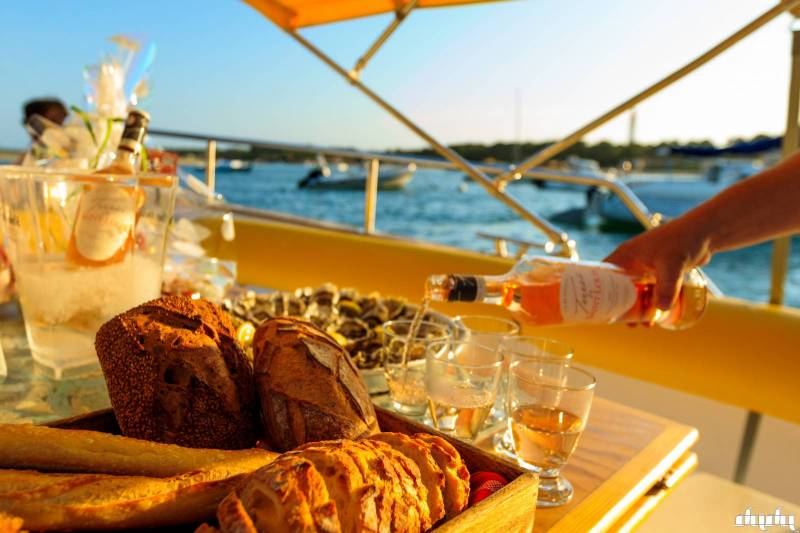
[[485, 329], [461, 383], [489, 331], [515, 348], [404, 362], [548, 404]]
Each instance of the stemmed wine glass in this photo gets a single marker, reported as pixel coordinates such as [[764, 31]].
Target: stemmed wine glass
[[489, 331], [521, 348], [548, 404]]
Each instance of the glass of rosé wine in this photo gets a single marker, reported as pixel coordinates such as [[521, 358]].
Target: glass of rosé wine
[[548, 404], [462, 382]]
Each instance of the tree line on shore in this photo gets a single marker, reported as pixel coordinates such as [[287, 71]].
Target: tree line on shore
[[607, 154]]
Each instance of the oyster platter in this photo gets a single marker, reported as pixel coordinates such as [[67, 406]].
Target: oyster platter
[[355, 321]]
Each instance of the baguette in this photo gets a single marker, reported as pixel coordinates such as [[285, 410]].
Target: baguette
[[73, 450], [59, 502]]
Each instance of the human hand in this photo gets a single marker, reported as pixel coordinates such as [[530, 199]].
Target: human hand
[[667, 252]]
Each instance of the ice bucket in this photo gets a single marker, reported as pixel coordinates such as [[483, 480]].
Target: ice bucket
[[46, 213]]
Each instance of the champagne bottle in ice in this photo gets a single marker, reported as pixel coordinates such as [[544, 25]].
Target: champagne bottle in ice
[[103, 230], [548, 291]]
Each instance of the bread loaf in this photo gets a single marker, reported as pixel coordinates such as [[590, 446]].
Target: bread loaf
[[353, 493], [308, 387], [456, 475], [409, 496], [432, 475], [231, 515], [289, 496], [175, 374], [369, 485], [74, 450], [60, 502]]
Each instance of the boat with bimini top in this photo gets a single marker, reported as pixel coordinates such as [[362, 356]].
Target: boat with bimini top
[[285, 356]]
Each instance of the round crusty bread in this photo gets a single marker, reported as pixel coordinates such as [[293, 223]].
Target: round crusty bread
[[308, 387], [176, 374]]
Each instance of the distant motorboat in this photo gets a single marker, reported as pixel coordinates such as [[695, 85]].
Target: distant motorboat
[[234, 165], [672, 195], [576, 166], [390, 178]]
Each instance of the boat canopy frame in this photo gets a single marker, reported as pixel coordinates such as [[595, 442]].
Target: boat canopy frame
[[558, 241]]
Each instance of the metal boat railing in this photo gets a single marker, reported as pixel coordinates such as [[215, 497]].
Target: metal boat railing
[[557, 240]]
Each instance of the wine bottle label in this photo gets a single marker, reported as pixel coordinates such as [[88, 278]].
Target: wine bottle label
[[105, 220], [590, 294]]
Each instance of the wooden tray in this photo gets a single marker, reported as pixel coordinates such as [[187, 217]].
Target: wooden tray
[[626, 461], [510, 510]]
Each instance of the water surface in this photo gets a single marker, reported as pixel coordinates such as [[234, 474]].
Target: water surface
[[433, 208]]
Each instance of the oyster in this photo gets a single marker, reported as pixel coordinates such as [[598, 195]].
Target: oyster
[[356, 331], [349, 308], [326, 295], [285, 304], [376, 315], [395, 307], [348, 293], [262, 308], [320, 315]]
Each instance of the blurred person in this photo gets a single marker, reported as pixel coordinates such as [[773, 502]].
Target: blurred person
[[55, 111], [760, 208], [52, 109]]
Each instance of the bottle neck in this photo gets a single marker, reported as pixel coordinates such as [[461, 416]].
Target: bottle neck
[[457, 288], [126, 159], [130, 144]]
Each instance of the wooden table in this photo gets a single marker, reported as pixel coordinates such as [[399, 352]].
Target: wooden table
[[625, 462]]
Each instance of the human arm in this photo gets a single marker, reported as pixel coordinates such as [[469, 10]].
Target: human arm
[[757, 209]]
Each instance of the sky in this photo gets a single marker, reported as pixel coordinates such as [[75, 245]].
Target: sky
[[223, 69]]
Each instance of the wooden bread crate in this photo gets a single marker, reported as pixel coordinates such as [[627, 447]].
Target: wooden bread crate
[[510, 509]]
